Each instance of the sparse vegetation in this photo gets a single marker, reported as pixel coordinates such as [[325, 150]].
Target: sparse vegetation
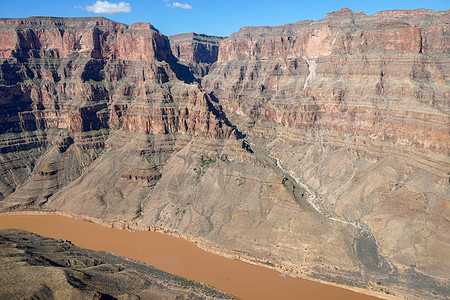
[[179, 211], [204, 164], [268, 263], [394, 186], [140, 211]]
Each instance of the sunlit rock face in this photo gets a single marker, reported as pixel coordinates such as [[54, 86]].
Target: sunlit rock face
[[181, 134], [91, 73], [381, 76], [194, 47]]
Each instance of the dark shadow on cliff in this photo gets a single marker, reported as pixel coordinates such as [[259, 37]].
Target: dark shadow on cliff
[[182, 72], [216, 109]]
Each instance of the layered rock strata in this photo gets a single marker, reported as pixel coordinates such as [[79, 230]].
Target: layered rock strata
[[197, 51], [92, 73], [383, 76], [343, 173], [194, 47]]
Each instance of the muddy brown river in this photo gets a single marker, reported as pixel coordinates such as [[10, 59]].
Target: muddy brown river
[[177, 256]]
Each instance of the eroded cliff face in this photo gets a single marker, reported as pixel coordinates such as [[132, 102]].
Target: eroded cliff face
[[194, 47], [197, 51], [356, 107], [382, 76], [127, 126], [87, 74], [101, 38]]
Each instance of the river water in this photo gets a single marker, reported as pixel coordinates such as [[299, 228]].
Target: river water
[[177, 256]]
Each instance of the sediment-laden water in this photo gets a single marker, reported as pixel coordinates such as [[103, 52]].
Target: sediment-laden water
[[180, 257]]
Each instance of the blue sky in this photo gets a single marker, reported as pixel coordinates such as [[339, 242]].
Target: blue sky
[[216, 17]]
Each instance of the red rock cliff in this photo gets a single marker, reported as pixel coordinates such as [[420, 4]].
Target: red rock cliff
[[81, 37], [382, 76], [194, 47], [91, 73]]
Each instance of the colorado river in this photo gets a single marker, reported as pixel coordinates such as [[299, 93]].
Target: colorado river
[[180, 257]]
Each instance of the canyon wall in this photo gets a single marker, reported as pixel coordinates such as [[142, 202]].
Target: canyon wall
[[197, 51], [319, 148], [92, 73], [382, 76], [193, 47], [356, 107]]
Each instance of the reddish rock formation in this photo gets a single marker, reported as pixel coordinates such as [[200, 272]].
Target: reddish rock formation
[[89, 73], [197, 51], [81, 37], [193, 47], [382, 76], [121, 123]]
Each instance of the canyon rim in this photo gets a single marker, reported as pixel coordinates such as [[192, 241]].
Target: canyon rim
[[318, 148]]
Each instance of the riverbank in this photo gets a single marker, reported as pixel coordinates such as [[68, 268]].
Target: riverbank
[[202, 245], [37, 267]]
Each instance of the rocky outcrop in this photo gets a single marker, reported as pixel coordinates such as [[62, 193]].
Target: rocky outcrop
[[194, 47], [345, 122], [34, 266]]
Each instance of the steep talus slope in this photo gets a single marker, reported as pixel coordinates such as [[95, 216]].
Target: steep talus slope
[[356, 107], [343, 172], [35, 164], [71, 75]]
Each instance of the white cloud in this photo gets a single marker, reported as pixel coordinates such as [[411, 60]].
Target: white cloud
[[181, 5], [104, 7]]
